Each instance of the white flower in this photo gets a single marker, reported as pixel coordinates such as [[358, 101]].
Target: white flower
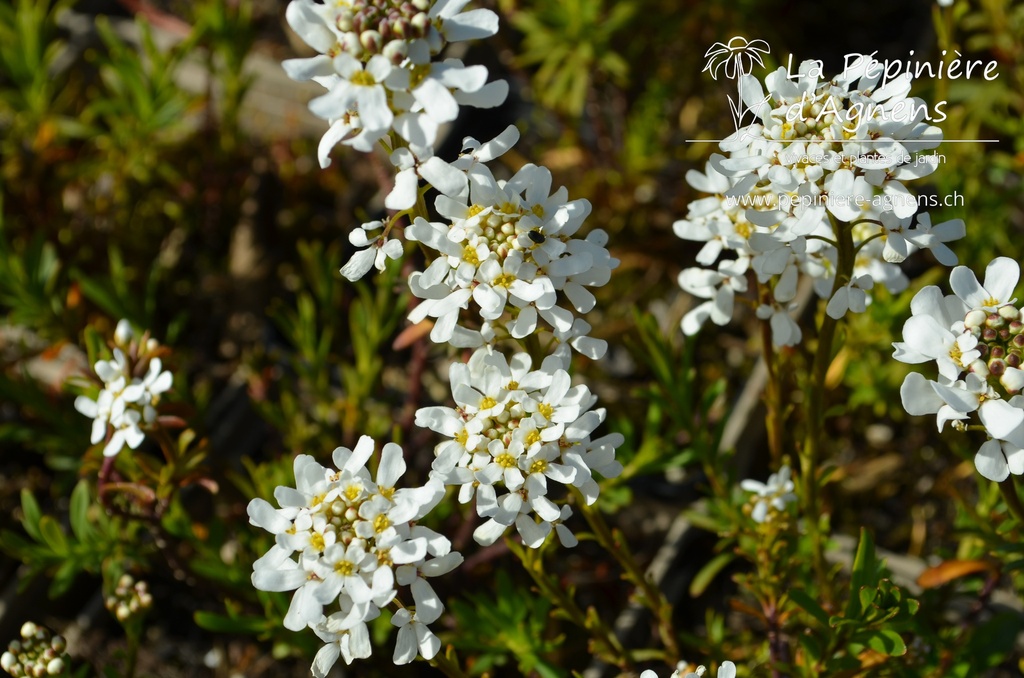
[[850, 297], [125, 403], [413, 635], [1001, 276], [719, 287], [378, 251], [775, 494], [339, 537]]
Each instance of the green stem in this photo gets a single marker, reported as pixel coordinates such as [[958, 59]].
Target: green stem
[[1009, 490], [775, 418], [609, 644], [447, 666], [810, 453], [650, 596]]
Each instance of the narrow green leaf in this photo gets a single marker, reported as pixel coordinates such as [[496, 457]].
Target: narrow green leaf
[[79, 509], [809, 605], [54, 536], [707, 573], [219, 623], [864, 572], [30, 514]]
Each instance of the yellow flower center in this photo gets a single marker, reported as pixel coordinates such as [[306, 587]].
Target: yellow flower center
[[461, 437], [381, 523], [474, 210], [545, 410], [533, 437], [504, 280], [352, 492], [505, 460], [487, 403], [386, 492], [362, 78], [317, 542], [469, 255], [345, 568], [538, 466]]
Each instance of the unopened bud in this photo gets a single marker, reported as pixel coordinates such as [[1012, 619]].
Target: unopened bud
[[371, 41], [1009, 312], [28, 629], [419, 24], [979, 367], [1016, 327], [995, 321], [123, 333], [996, 367], [1004, 333], [59, 644], [998, 352], [989, 334], [1013, 360], [55, 667], [395, 51], [7, 661]]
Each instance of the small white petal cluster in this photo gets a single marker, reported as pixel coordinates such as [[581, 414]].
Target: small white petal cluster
[[976, 338], [726, 670], [517, 429], [376, 59], [770, 498], [38, 653], [131, 391], [508, 250], [820, 152], [344, 543]]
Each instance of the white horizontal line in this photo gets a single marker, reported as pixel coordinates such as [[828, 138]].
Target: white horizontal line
[[857, 141]]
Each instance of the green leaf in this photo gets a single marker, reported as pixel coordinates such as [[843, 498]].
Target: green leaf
[[887, 642], [64, 578], [864, 573], [809, 605], [79, 510], [30, 514], [53, 536], [707, 573], [219, 623]]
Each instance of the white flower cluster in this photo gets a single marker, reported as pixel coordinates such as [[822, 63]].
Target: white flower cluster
[[726, 670], [819, 153], [772, 497], [976, 338], [344, 542], [509, 247], [132, 384], [517, 429], [376, 61]]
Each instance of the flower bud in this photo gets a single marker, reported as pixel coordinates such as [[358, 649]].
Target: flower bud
[[55, 667], [395, 51], [123, 333], [1009, 312], [995, 321], [1004, 333], [996, 367], [59, 644], [7, 661], [371, 41], [1013, 359], [989, 334], [979, 367], [998, 352], [420, 23]]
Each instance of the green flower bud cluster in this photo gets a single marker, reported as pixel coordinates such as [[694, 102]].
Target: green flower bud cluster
[[1000, 338], [130, 599], [38, 653]]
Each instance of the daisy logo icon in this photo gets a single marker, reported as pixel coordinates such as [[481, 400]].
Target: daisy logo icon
[[736, 59]]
